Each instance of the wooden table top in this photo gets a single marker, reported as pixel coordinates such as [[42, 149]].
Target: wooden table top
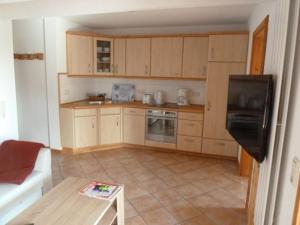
[[64, 205], [136, 104]]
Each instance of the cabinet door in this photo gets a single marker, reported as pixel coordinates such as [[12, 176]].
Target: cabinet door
[[228, 48], [110, 131], [138, 57], [216, 98], [85, 131], [187, 143], [79, 54], [166, 57], [220, 147], [119, 56], [134, 129], [103, 56], [195, 57]]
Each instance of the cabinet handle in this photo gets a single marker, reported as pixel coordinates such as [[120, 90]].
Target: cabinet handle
[[117, 123], [93, 124], [117, 69], [146, 70], [190, 124], [220, 144]]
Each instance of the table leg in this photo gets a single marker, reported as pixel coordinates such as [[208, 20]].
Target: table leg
[[120, 207]]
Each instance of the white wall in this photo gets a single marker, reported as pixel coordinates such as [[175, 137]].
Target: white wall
[[8, 117], [30, 75], [287, 191]]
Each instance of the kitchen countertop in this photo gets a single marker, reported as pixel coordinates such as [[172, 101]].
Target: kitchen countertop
[[84, 104]]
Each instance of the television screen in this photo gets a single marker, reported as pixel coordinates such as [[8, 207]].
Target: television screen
[[249, 112]]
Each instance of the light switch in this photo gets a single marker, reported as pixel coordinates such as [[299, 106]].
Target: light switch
[[2, 109], [295, 172]]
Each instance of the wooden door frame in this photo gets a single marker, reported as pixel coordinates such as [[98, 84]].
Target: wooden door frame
[[252, 165]]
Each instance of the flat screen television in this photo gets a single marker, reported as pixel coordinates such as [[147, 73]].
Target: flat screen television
[[249, 110]]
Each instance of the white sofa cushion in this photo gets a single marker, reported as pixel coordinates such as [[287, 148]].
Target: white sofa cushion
[[9, 192]]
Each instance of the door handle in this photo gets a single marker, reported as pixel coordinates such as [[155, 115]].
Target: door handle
[[208, 106]]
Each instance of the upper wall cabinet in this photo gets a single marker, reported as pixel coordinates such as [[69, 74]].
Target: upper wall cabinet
[[80, 54], [166, 56], [119, 65], [103, 56], [138, 56], [228, 48], [195, 57]]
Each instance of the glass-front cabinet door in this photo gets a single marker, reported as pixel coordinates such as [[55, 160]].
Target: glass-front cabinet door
[[103, 56]]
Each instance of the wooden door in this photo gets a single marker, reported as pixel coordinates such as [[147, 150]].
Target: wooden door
[[248, 166], [216, 100], [166, 57], [103, 56], [79, 54], [119, 57], [134, 129], [85, 131], [195, 57], [228, 48], [138, 57], [110, 131]]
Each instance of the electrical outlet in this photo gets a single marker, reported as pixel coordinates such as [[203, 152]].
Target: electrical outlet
[[295, 172]]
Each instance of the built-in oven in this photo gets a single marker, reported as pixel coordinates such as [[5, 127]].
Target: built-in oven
[[161, 125]]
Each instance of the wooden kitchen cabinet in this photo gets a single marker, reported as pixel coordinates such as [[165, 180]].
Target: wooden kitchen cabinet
[[134, 126], [216, 100], [138, 57], [188, 143], [195, 57], [228, 48], [79, 54], [86, 131], [119, 65], [166, 56], [103, 56], [110, 126], [220, 147]]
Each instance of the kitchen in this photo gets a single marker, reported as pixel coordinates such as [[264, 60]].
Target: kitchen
[[150, 91]]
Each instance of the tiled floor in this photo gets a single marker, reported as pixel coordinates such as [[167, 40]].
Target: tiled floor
[[164, 188]]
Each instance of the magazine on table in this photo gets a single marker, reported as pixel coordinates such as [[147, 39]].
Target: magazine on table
[[100, 190]]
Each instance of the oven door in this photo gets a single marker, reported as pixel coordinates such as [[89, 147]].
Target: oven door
[[161, 129]]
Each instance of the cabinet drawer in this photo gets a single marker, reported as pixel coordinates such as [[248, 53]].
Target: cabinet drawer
[[85, 112], [220, 147], [187, 143], [190, 128], [190, 116], [134, 111], [110, 111]]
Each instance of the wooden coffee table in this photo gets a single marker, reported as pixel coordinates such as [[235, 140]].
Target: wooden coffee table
[[64, 205]]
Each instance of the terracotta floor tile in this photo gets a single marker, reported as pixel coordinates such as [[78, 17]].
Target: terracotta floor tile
[[183, 210], [129, 210], [167, 197], [201, 219], [165, 188], [158, 216], [136, 220], [145, 203]]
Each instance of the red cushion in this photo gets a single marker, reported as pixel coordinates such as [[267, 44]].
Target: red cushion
[[17, 160]]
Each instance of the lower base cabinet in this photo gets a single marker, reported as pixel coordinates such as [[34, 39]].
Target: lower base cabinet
[[220, 147], [134, 126], [86, 131], [110, 129], [188, 143]]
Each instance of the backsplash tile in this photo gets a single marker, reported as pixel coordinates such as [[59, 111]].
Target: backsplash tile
[[73, 89]]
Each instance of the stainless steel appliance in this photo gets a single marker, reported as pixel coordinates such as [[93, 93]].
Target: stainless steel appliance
[[148, 99], [161, 125], [182, 96]]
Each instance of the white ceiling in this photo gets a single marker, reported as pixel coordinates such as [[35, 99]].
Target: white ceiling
[[237, 14], [50, 8]]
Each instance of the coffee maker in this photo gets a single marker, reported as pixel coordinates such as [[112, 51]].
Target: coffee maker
[[182, 96]]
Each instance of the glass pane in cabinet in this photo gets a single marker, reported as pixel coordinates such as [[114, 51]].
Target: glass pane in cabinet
[[103, 56]]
